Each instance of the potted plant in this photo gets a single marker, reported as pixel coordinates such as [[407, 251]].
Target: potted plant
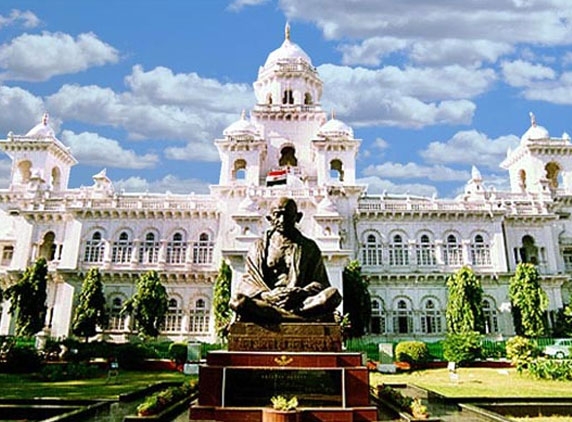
[[282, 410]]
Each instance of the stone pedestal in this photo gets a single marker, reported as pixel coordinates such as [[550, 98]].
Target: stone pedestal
[[330, 385]]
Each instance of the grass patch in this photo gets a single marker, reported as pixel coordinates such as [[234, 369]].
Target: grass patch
[[478, 382], [25, 387]]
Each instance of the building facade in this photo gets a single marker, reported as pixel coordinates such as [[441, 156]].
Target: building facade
[[408, 246]]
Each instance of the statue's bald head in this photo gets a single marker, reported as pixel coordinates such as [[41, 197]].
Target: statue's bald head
[[284, 214]]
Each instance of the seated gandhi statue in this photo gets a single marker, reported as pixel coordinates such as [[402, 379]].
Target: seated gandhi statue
[[285, 278]]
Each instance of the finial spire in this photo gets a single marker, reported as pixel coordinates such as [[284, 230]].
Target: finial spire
[[532, 118], [45, 119], [243, 115], [333, 114], [287, 31]]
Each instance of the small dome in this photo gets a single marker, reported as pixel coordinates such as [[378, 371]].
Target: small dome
[[288, 51], [535, 132], [41, 130], [334, 128], [242, 127]]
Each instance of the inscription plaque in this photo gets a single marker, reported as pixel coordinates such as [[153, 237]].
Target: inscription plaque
[[255, 387]]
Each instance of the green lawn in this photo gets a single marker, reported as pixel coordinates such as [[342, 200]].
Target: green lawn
[[479, 382], [25, 387]]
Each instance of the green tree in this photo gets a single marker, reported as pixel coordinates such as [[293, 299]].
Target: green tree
[[28, 299], [91, 310], [464, 306], [357, 300], [148, 305], [528, 301], [222, 311]]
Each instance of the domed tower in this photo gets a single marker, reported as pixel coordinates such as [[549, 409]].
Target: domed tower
[[540, 163], [242, 152], [288, 93], [335, 149], [38, 159]]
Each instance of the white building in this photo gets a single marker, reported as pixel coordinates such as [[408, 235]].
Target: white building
[[407, 245]]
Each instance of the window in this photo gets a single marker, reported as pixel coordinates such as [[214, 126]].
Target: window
[[149, 250], [425, 252], [176, 250], [288, 97], [203, 250], [116, 320], [398, 253], [94, 248], [199, 318], [430, 318], [7, 255], [480, 251], [174, 317], [567, 256], [372, 251], [337, 170], [403, 318], [490, 315], [452, 251], [122, 249], [377, 325]]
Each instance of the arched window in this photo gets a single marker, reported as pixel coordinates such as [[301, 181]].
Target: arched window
[[372, 251], [403, 318], [288, 157], [337, 170], [288, 97], [24, 172], [203, 250], [174, 317], [56, 179], [48, 248], [522, 178], [490, 315], [377, 322], [480, 252], [398, 252], [430, 318], [425, 252], [94, 248], [552, 173], [176, 249], [199, 318], [269, 99], [7, 255], [529, 250], [122, 249], [117, 322], [308, 98], [452, 251], [149, 249], [239, 170]]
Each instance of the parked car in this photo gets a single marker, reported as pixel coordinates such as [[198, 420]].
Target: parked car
[[560, 349]]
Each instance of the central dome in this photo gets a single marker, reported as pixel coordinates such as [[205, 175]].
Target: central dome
[[288, 51], [535, 131]]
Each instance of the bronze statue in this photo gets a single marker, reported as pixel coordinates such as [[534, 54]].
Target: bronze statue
[[285, 278]]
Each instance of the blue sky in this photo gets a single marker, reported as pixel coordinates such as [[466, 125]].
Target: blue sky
[[142, 88]]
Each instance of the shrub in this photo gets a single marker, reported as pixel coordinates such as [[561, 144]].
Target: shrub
[[161, 400], [178, 352], [132, 356], [412, 352], [22, 359], [462, 348], [521, 351], [395, 397], [548, 369], [70, 371]]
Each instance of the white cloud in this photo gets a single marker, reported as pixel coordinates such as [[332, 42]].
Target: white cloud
[[27, 18], [40, 57], [160, 105], [520, 73], [193, 152], [92, 149], [376, 185], [415, 171], [238, 5], [380, 144], [21, 110], [470, 147], [436, 33], [168, 183]]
